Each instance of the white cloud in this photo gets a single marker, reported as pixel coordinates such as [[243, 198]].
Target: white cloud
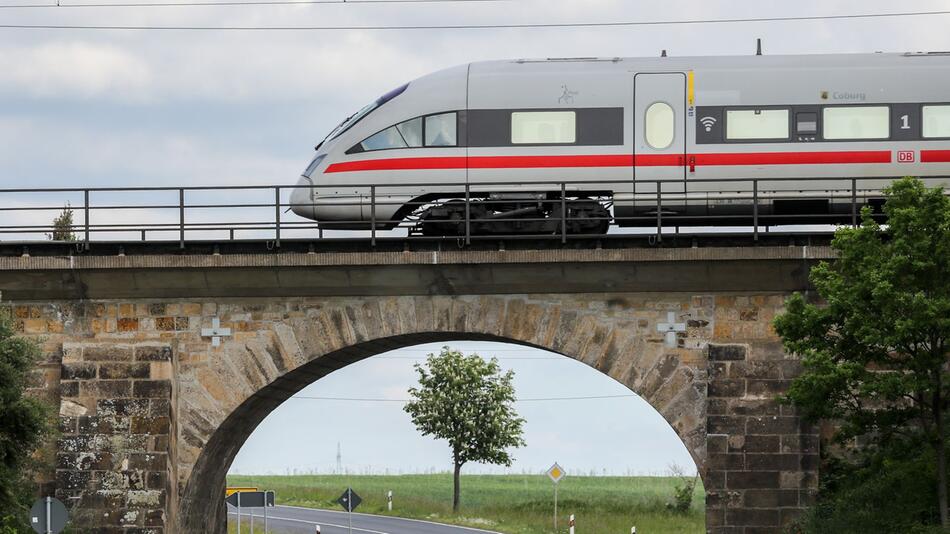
[[142, 155], [73, 69]]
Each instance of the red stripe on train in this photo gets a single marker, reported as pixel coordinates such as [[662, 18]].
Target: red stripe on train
[[795, 158], [612, 160], [935, 156]]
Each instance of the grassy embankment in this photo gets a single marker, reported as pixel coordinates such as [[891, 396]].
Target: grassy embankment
[[512, 504]]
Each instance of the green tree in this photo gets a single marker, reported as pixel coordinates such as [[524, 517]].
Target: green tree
[[24, 423], [875, 350], [468, 402], [63, 226]]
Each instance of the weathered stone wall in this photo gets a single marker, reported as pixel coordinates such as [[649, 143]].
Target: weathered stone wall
[[153, 414], [762, 459], [113, 460]]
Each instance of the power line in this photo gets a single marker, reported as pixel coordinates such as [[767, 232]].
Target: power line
[[247, 3], [542, 399], [477, 26]]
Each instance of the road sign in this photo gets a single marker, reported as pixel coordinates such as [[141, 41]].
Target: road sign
[[231, 491], [349, 500], [556, 473], [48, 516], [252, 499]]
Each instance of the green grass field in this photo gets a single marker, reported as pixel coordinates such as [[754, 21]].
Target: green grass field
[[513, 504]]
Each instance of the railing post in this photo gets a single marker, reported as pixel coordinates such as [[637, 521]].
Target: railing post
[[181, 218], [854, 202], [372, 213], [563, 214], [468, 213], [755, 209], [659, 211], [277, 215], [86, 216]]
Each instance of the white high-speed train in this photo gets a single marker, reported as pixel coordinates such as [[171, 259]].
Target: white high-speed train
[[517, 137]]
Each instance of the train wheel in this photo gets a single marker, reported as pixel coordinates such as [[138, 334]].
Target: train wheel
[[448, 219], [584, 217]]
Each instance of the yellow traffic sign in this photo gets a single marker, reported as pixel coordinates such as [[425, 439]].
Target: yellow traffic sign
[[556, 473], [231, 491]]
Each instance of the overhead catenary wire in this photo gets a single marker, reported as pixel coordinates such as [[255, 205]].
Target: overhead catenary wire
[[211, 3], [543, 25], [403, 401]]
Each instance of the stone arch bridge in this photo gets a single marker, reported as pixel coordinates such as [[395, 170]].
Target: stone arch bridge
[[152, 411]]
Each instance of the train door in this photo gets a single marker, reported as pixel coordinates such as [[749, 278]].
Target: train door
[[659, 144]]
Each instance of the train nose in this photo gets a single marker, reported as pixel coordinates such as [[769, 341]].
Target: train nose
[[301, 200]]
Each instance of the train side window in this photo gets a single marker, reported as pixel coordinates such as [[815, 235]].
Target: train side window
[[406, 134], [386, 139], [660, 125], [411, 131], [936, 121], [757, 124], [543, 127], [856, 122], [441, 130]]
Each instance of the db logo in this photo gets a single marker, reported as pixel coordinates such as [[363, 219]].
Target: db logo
[[906, 156]]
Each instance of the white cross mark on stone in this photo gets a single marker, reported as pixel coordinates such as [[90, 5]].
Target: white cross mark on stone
[[671, 327], [215, 332]]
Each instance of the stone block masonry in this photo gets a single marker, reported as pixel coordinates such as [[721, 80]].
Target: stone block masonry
[[152, 414], [113, 461], [762, 459]]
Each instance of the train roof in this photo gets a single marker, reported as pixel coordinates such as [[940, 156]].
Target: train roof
[[634, 64]]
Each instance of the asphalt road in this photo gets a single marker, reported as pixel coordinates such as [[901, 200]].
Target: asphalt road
[[294, 520]]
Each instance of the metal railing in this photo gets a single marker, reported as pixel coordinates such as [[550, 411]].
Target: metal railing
[[656, 207]]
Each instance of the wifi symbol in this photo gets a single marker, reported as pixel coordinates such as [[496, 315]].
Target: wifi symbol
[[708, 123]]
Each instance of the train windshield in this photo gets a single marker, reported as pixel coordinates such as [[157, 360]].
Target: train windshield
[[356, 117]]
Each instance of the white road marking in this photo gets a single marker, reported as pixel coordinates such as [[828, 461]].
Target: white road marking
[[393, 517], [322, 524]]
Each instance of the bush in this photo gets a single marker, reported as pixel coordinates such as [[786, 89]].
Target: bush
[[24, 423], [683, 496], [893, 489], [683, 490]]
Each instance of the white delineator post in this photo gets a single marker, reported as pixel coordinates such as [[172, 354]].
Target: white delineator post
[[318, 529], [389, 500], [571, 524], [633, 530]]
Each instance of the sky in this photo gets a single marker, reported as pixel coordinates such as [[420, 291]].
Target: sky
[[620, 436], [171, 108]]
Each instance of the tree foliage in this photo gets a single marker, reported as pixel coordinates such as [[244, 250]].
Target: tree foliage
[[63, 226], [24, 423], [875, 350], [468, 402], [895, 488]]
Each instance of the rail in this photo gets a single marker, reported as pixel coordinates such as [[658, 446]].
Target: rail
[[652, 208]]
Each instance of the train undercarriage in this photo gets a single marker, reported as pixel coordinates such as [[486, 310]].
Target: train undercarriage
[[501, 214]]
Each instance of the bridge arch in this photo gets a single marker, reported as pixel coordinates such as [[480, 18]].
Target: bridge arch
[[278, 350]]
